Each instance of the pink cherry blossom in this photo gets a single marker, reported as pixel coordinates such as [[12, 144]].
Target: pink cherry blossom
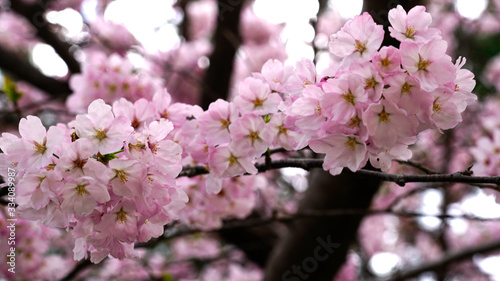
[[74, 158], [255, 96], [413, 26], [341, 151], [309, 110], [387, 60], [284, 136], [387, 124], [276, 74], [343, 96], [251, 132], [82, 195], [106, 132], [405, 92], [38, 188], [40, 144], [359, 38], [215, 122], [128, 176], [428, 63], [373, 83]]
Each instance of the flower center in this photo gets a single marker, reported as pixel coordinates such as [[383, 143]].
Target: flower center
[[318, 110], [383, 116], [257, 102], [406, 89], [436, 107], [121, 216], [349, 97], [385, 62], [40, 147], [101, 134], [121, 175], [370, 83], [81, 190], [224, 123], [282, 130], [354, 122], [79, 163], [254, 136], [410, 31], [360, 47], [232, 160], [350, 144], [422, 64]]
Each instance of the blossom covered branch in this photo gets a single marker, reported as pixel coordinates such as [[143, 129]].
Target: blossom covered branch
[[114, 176]]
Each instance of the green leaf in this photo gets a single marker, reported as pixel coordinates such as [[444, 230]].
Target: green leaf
[[106, 158], [11, 91], [167, 277]]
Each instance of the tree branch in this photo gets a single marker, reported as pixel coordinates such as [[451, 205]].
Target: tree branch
[[309, 163], [36, 15], [25, 71], [77, 269], [445, 260], [306, 214], [226, 42]]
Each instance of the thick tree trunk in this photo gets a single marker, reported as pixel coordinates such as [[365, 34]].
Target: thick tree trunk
[[315, 248]]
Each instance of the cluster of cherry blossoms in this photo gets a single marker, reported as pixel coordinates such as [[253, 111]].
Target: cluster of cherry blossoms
[[370, 108], [110, 175], [37, 247], [109, 78], [486, 152]]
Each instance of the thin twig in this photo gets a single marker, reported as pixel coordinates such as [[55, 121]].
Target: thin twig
[[445, 260], [418, 166]]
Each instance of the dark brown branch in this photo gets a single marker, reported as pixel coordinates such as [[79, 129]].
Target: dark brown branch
[[445, 260], [307, 214], [77, 269], [226, 43], [25, 71], [36, 15], [308, 163]]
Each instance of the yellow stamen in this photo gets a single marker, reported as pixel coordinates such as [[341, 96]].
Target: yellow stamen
[[318, 110], [101, 134], [350, 144], [121, 216], [406, 89], [422, 64], [409, 32], [349, 97], [354, 122], [81, 190], [436, 107], [253, 136], [385, 62], [121, 175], [40, 148], [258, 102], [360, 47], [282, 130], [225, 123], [383, 116], [232, 160], [370, 83]]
